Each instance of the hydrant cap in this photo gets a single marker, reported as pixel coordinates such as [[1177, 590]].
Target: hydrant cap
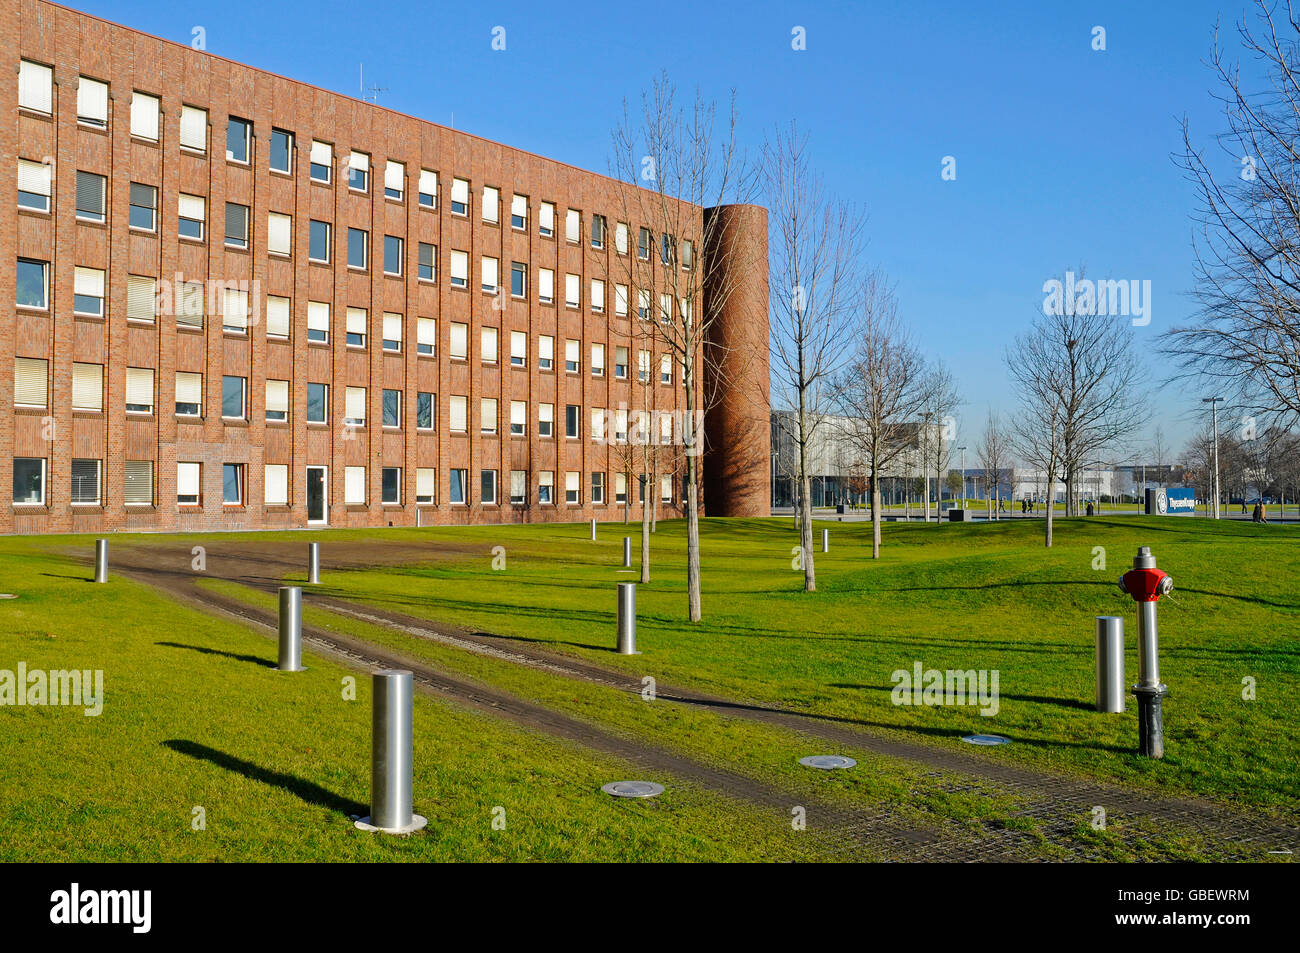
[[1144, 559]]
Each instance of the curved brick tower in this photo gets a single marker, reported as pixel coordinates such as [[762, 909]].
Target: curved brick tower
[[737, 463]]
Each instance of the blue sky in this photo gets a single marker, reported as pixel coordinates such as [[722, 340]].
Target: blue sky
[[1064, 154]]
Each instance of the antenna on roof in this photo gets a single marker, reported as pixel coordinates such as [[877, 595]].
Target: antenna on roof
[[374, 90]]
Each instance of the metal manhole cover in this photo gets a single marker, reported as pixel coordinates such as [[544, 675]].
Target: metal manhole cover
[[827, 762], [633, 789], [8, 595], [986, 740]]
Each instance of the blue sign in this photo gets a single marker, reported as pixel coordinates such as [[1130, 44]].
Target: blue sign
[[1171, 501]]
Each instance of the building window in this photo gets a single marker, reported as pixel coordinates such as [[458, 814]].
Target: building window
[[281, 158], [666, 369], [572, 487], [85, 481], [426, 336], [546, 420], [277, 317], [238, 132], [459, 341], [597, 425], [137, 483], [490, 273], [487, 486], [428, 189], [359, 172], [518, 418], [275, 484], [92, 102], [189, 394], [598, 488], [322, 162], [518, 348], [424, 411], [232, 484], [392, 339], [572, 225], [620, 363], [279, 233], [666, 488], [546, 220], [572, 291], [141, 298], [519, 212], [318, 322], [392, 408], [394, 180], [572, 356], [426, 482], [459, 196], [236, 225], [390, 486], [354, 486], [144, 116], [572, 428], [459, 269], [139, 390], [459, 478], [190, 309], [354, 407], [546, 487], [90, 197], [392, 255], [545, 285], [666, 244], [232, 397], [191, 213], [518, 487], [458, 413], [88, 387], [33, 283], [277, 401], [188, 481], [356, 247], [518, 279], [620, 488], [29, 481], [643, 366], [643, 241], [545, 352], [143, 213], [487, 415], [88, 292], [597, 296], [598, 360], [34, 185], [234, 312], [318, 241], [491, 205], [488, 345], [620, 238], [194, 129], [31, 382], [620, 300], [598, 231], [688, 255], [317, 403], [427, 267]]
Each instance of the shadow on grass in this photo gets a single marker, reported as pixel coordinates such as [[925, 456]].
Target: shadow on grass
[[67, 575], [233, 655], [301, 788]]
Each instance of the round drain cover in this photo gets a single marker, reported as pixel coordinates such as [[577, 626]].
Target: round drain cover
[[633, 789], [827, 762], [8, 595], [986, 740]]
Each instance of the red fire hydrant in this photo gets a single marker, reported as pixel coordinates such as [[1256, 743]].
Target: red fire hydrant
[[1146, 584]]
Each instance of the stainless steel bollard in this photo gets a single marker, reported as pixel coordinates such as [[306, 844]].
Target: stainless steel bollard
[[290, 629], [101, 560], [391, 755], [593, 530], [1110, 664], [826, 541], [627, 552], [313, 564], [627, 619]]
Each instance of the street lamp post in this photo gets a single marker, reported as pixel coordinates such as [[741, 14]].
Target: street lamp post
[[963, 477], [1214, 416]]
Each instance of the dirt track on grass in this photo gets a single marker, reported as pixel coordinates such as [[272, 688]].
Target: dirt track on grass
[[1056, 803]]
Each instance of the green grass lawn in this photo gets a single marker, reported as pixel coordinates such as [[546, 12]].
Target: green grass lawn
[[195, 717], [961, 597]]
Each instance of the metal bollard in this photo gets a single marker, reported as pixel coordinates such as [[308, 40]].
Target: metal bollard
[[593, 530], [290, 629], [627, 552], [1146, 584], [391, 755], [627, 619], [101, 560], [313, 564], [826, 541], [1110, 664]]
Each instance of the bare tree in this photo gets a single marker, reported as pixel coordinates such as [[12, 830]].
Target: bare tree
[[1037, 376], [883, 388], [994, 454], [1246, 335], [683, 161], [1159, 453], [941, 400], [814, 249]]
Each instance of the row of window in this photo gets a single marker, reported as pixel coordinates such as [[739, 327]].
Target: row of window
[[35, 93], [145, 300], [31, 391], [30, 478]]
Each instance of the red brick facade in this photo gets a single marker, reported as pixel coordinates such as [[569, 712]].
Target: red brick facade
[[75, 45]]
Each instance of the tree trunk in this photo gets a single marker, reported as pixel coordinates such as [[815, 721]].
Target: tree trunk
[[1051, 498], [875, 508], [693, 538], [805, 529]]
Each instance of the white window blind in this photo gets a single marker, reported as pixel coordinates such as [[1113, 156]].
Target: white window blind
[[35, 86], [457, 409], [138, 481], [519, 344], [277, 316], [139, 386], [427, 331], [620, 300], [31, 381], [546, 347], [546, 217], [395, 176], [189, 388], [235, 310], [519, 207], [359, 161], [428, 182], [620, 238], [318, 316], [518, 413], [194, 128], [92, 100], [425, 480], [597, 295], [34, 177], [190, 206], [572, 291], [322, 153], [460, 190], [279, 229], [459, 340], [488, 345], [597, 424], [88, 387], [598, 358], [490, 273], [356, 320], [191, 310], [144, 116], [277, 396], [275, 483], [392, 326], [354, 485], [459, 266], [354, 403], [487, 414], [491, 204], [89, 282], [572, 225], [572, 351], [187, 479], [139, 298], [546, 284]]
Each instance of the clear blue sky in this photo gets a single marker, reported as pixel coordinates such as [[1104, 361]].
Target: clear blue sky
[[1064, 154]]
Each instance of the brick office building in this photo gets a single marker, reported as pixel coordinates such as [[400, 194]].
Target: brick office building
[[241, 301]]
